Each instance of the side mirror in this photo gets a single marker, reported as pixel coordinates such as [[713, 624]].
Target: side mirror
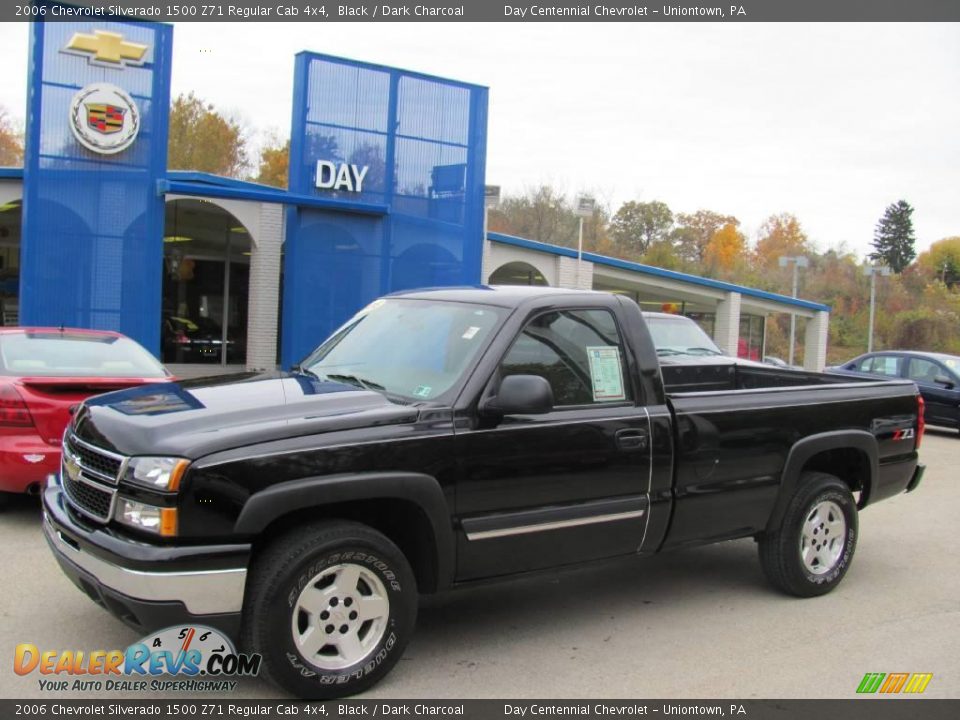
[[945, 381], [521, 395]]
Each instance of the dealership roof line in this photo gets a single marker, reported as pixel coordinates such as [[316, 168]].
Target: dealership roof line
[[655, 271], [206, 185]]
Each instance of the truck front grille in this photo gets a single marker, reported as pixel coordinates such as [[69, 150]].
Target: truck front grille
[[94, 460], [89, 499], [90, 475]]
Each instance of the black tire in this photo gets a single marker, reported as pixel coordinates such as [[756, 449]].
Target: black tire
[[782, 553], [274, 620]]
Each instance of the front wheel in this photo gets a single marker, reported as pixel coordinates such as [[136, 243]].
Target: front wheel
[[811, 551], [330, 607]]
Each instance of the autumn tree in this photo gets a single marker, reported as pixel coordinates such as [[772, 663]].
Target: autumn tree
[[11, 142], [893, 239], [942, 261], [694, 230], [638, 225], [274, 163], [725, 252], [201, 138], [780, 235]]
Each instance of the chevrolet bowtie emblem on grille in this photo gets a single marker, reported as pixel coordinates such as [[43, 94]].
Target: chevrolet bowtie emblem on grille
[[71, 466], [106, 48]]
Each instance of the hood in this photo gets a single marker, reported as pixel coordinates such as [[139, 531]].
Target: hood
[[197, 417]]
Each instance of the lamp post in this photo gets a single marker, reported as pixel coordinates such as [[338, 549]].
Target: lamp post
[[872, 271], [584, 209], [798, 261]]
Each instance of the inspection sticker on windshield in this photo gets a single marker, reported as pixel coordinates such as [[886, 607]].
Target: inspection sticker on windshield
[[606, 375], [423, 391], [471, 331]]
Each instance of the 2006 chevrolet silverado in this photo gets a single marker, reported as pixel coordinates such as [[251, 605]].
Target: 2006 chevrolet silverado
[[442, 437]]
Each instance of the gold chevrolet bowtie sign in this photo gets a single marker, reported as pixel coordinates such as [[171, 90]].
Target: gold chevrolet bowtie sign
[[107, 48]]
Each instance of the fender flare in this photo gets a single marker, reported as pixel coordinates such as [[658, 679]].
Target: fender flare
[[805, 449], [422, 490]]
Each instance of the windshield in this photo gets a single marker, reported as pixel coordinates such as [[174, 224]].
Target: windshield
[[66, 354], [680, 336], [414, 349]]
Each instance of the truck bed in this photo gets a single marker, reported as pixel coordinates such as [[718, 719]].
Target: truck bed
[[724, 374]]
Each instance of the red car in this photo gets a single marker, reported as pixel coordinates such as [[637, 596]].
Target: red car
[[44, 373]]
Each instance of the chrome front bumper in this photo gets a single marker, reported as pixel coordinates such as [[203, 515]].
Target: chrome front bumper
[[205, 592], [84, 557]]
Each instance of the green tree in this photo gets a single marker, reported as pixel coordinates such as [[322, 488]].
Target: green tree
[[274, 163], [203, 139], [662, 254], [638, 225], [695, 230], [11, 141], [893, 239]]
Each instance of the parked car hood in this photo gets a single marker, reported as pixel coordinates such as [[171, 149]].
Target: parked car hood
[[197, 417]]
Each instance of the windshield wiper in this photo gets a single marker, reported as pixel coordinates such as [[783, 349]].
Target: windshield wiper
[[358, 381], [670, 351], [703, 351]]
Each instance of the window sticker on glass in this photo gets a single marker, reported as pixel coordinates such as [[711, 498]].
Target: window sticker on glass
[[606, 375], [423, 391], [470, 332]]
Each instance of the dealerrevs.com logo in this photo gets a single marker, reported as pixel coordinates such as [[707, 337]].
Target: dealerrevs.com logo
[[201, 655]]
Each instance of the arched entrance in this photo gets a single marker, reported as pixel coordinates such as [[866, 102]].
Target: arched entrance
[[517, 273], [11, 217], [206, 278]]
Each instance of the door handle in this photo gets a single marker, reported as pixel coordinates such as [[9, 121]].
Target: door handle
[[632, 439]]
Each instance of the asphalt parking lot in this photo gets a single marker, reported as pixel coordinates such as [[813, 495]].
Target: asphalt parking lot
[[697, 624]]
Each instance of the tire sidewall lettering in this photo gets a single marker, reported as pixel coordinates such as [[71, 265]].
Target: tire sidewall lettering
[[387, 644]]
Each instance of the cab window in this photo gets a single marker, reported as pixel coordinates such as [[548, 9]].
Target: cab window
[[579, 352]]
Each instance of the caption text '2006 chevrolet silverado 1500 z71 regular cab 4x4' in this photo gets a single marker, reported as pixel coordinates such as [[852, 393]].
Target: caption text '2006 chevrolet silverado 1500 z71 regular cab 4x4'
[[442, 437]]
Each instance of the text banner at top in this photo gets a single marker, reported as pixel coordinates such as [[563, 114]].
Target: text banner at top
[[318, 11]]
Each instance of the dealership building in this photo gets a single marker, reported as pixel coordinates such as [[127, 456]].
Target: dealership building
[[386, 192]]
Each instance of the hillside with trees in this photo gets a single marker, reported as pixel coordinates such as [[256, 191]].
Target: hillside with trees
[[918, 305]]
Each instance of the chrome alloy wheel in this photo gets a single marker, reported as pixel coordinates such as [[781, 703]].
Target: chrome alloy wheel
[[340, 616], [823, 537]]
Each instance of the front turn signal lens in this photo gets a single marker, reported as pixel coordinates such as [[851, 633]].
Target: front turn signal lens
[[158, 520]]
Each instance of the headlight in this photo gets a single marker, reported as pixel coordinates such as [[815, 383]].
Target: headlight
[[156, 473], [159, 520]]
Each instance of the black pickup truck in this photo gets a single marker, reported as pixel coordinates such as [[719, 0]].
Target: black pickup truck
[[445, 437]]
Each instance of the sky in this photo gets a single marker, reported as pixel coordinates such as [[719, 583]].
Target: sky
[[830, 122]]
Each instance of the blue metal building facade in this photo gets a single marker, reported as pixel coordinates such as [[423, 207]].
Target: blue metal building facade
[[416, 218], [92, 248]]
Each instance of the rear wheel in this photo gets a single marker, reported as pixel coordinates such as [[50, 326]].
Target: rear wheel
[[811, 551], [330, 607]]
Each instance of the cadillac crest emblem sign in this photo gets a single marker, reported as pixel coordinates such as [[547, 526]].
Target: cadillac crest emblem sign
[[104, 118]]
